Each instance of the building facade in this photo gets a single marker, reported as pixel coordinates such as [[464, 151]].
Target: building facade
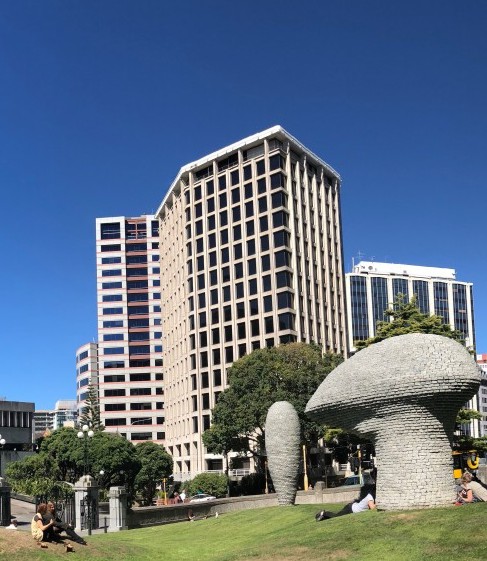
[[17, 430], [86, 372], [372, 287], [482, 362], [129, 350], [251, 250]]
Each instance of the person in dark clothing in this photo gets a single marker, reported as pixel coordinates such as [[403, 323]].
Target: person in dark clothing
[[365, 501], [60, 526]]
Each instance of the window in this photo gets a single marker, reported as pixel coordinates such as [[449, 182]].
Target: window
[[266, 283], [114, 378], [264, 243], [236, 214], [217, 377], [119, 392], [110, 260], [269, 324], [248, 190], [252, 287], [267, 303], [254, 307], [112, 311], [113, 351], [250, 247], [254, 327], [141, 406], [247, 172], [262, 204], [252, 266], [250, 228], [266, 262], [112, 298], [284, 300], [263, 223], [111, 247], [115, 422], [110, 230], [239, 290], [281, 238], [140, 377], [228, 354], [235, 195], [110, 285], [115, 407], [249, 209], [260, 167], [140, 391]]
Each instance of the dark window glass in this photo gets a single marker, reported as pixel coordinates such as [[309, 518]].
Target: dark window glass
[[281, 238], [216, 352], [198, 210], [260, 167], [225, 274], [111, 247], [201, 281], [197, 193], [211, 222], [283, 258], [249, 209], [284, 300], [239, 290], [237, 251], [225, 255], [253, 307], [236, 214], [210, 204], [227, 313], [224, 236], [201, 300], [263, 223], [252, 286], [286, 321], [279, 199], [266, 283], [262, 204], [247, 172], [226, 293], [228, 354], [234, 177], [215, 339], [237, 232], [280, 218], [283, 278], [222, 182], [266, 262], [235, 195], [269, 324], [217, 377], [212, 241], [214, 296], [223, 218], [223, 200], [213, 277], [238, 270], [251, 247], [248, 190], [250, 228], [202, 319], [203, 339], [264, 243], [110, 230], [199, 245], [277, 180], [228, 334], [212, 258], [254, 327], [252, 266], [261, 186], [267, 303], [210, 187]]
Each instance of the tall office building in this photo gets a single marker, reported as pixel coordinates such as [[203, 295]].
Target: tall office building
[[372, 287], [129, 350], [252, 256]]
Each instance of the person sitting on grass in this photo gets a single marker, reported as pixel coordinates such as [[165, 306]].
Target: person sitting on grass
[[39, 529], [365, 501], [60, 526]]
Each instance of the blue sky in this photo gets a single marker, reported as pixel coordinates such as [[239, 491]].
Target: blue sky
[[101, 103]]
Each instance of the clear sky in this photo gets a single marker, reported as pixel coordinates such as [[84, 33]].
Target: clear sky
[[101, 103]]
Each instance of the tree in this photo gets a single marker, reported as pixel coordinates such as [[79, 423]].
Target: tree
[[290, 372], [155, 464], [407, 318], [90, 414], [211, 483]]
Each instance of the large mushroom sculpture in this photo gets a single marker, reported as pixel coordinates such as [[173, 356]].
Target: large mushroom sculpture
[[403, 394]]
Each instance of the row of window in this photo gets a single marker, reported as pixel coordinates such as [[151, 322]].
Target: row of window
[[121, 392], [133, 363]]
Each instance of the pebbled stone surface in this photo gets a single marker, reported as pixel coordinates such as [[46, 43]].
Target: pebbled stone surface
[[403, 394]]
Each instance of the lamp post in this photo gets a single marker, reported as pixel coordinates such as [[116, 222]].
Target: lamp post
[[2, 444], [85, 433]]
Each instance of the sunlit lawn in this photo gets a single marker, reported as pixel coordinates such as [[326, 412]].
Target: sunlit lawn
[[282, 533]]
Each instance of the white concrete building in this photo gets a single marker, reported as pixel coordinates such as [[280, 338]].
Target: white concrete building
[[251, 256]]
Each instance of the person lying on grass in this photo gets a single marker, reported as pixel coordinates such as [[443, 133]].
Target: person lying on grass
[[365, 501]]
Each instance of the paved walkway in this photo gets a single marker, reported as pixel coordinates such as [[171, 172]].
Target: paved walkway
[[23, 512]]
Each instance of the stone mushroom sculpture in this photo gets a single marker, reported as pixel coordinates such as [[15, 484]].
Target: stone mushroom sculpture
[[282, 432], [403, 394]]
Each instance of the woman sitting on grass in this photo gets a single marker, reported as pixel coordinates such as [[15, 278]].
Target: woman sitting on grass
[[39, 530]]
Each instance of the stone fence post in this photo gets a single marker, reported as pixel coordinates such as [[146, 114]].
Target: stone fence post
[[86, 493], [117, 497], [4, 503]]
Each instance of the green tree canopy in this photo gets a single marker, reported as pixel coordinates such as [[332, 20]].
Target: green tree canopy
[[290, 372], [155, 464], [407, 318]]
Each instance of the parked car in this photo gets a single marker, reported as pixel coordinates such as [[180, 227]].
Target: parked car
[[355, 479], [201, 498]]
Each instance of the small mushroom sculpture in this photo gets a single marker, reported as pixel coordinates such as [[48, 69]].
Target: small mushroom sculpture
[[403, 394]]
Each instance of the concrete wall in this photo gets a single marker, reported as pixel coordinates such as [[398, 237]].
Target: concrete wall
[[154, 515]]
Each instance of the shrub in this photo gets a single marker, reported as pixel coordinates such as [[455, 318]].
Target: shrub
[[211, 483]]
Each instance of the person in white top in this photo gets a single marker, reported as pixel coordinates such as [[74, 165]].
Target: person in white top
[[365, 501]]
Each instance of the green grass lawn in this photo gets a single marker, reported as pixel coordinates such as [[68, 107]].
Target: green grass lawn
[[286, 533]]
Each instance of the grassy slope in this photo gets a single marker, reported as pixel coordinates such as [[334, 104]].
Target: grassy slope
[[285, 533]]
